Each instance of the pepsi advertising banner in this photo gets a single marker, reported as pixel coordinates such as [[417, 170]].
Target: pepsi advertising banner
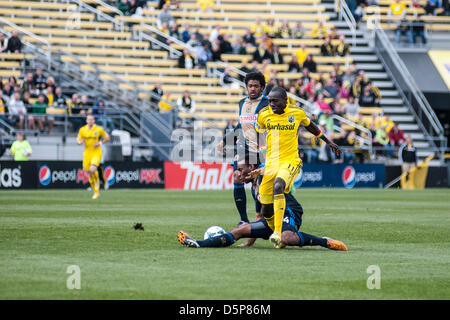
[[341, 176], [69, 174]]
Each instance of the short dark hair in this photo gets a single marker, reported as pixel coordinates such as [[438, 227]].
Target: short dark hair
[[281, 91], [255, 76]]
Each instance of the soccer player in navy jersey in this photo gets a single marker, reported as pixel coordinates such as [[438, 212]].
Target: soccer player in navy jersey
[[247, 136]]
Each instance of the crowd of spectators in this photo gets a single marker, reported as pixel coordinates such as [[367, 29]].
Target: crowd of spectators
[[36, 102]]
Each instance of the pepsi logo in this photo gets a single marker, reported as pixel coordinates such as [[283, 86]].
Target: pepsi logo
[[109, 175], [44, 175], [349, 177]]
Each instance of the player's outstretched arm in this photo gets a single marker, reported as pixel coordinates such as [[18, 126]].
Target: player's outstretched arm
[[315, 130]]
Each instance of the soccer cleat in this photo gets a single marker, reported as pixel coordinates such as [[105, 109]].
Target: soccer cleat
[[335, 244], [96, 195], [281, 246], [187, 240], [275, 238]]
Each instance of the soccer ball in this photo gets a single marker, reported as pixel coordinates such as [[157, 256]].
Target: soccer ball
[[213, 231]]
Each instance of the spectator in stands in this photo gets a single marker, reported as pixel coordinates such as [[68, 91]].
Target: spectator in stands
[[76, 112], [249, 38], [225, 44], [298, 31], [387, 122], [352, 108], [17, 111], [7, 92], [261, 53], [284, 31], [431, 6], [21, 149], [407, 152], [100, 114], [164, 16], [359, 12], [276, 56], [302, 53], [204, 55], [310, 64], [123, 6], [198, 35], [194, 41], [165, 104], [238, 46], [342, 48], [417, 30], [187, 105], [294, 66], [320, 31], [39, 111], [59, 100], [226, 80], [382, 139], [186, 35], [186, 60], [132, 8], [327, 49], [322, 104], [362, 78], [28, 83], [344, 90], [396, 136], [329, 121], [39, 78], [348, 76], [375, 92], [403, 29], [270, 28], [3, 43], [330, 90], [257, 28], [366, 99], [205, 5], [215, 33], [397, 8], [334, 34], [216, 53], [174, 31], [14, 42]]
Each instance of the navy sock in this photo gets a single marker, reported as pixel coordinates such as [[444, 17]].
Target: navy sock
[[240, 198], [257, 203], [224, 240], [310, 240]]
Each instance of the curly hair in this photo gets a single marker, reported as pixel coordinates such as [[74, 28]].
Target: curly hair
[[255, 76]]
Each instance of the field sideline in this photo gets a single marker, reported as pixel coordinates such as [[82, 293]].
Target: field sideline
[[405, 233]]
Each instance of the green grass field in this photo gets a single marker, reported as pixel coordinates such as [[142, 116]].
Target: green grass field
[[405, 233]]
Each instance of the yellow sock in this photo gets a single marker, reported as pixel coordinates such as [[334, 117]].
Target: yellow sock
[[279, 204], [96, 187], [92, 182], [270, 222]]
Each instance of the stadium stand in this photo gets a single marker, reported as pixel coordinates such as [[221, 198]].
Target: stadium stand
[[127, 47]]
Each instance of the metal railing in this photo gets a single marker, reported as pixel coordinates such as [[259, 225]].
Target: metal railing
[[411, 95], [345, 14], [45, 43]]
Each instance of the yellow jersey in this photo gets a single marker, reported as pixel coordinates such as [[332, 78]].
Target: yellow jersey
[[91, 137], [281, 133]]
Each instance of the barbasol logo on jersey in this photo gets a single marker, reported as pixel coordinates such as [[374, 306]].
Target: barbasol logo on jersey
[[110, 175], [280, 126], [349, 177], [45, 175]]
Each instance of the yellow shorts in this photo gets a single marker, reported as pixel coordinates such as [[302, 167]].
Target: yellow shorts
[[91, 159], [287, 171]]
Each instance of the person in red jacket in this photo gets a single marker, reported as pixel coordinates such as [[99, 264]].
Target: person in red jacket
[[396, 136]]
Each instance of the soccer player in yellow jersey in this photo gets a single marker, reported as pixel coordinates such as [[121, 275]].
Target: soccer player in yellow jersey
[[92, 136], [281, 123]]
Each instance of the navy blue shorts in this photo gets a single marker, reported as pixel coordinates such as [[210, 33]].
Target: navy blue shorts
[[260, 228]]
